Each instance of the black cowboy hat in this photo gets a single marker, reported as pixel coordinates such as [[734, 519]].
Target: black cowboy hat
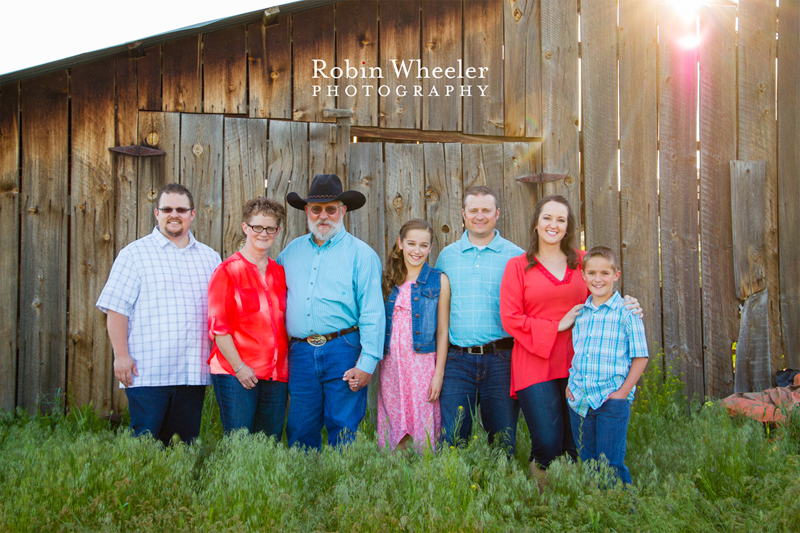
[[327, 188]]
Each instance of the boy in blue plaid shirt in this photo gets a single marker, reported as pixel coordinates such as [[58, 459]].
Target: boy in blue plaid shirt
[[610, 356]]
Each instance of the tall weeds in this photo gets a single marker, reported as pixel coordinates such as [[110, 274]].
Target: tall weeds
[[694, 469]]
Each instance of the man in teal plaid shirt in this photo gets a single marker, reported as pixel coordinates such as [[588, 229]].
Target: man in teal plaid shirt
[[610, 356]]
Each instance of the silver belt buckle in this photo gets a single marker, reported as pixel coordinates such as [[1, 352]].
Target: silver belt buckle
[[316, 340], [475, 350]]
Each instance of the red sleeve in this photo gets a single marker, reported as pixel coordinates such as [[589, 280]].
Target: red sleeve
[[536, 335], [221, 303]]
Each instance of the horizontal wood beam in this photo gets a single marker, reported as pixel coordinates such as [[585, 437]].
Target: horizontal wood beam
[[397, 134]]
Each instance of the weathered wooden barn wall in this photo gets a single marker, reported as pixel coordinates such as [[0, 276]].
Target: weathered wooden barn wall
[[607, 96]]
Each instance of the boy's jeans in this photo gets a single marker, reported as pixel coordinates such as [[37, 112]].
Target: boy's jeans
[[604, 431]]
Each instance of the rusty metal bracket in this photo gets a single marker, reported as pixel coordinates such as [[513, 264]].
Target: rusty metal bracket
[[137, 151], [542, 177]]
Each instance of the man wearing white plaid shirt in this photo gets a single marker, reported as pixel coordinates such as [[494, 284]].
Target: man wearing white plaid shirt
[[156, 299]]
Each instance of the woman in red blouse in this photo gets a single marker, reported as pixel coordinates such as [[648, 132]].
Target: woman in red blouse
[[246, 308]]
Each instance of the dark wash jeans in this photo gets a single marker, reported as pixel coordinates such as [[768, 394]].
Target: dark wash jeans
[[472, 379], [320, 396], [604, 431], [547, 415], [165, 411], [260, 409]]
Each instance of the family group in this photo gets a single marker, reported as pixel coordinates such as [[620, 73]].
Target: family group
[[490, 330]]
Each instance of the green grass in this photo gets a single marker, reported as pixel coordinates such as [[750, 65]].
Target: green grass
[[694, 469]]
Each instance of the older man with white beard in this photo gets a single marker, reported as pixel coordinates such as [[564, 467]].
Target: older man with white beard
[[335, 316]]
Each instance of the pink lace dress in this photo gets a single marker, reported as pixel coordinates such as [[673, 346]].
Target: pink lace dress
[[405, 376]]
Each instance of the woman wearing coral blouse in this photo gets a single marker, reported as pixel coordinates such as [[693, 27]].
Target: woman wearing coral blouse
[[246, 308], [537, 290]]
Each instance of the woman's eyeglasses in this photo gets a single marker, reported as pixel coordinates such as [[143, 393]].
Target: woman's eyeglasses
[[258, 229], [317, 209], [169, 210]]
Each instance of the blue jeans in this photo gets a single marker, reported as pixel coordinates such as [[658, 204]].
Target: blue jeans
[[164, 411], [472, 379], [547, 415], [260, 409], [604, 431], [319, 395]]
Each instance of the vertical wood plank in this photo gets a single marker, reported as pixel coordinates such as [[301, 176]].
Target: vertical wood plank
[[443, 194], [753, 366], [225, 71], [125, 167], [90, 372], [522, 68], [357, 44], [155, 172], [148, 80], [748, 207], [441, 48], [638, 129], [788, 177], [43, 285], [329, 148], [400, 32], [9, 242], [758, 134], [678, 171], [313, 35], [287, 171], [599, 98], [182, 86], [366, 176], [483, 165], [270, 69], [520, 159], [483, 48], [202, 145], [405, 182], [717, 148], [245, 175], [560, 104]]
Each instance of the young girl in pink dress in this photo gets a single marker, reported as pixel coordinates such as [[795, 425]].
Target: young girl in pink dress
[[415, 351]]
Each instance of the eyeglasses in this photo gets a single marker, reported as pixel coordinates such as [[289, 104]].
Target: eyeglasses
[[258, 229], [317, 209], [169, 210]]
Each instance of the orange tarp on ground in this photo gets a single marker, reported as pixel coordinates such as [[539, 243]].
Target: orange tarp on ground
[[769, 405]]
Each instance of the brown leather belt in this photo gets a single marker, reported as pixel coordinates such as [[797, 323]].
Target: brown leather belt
[[490, 347], [319, 340]]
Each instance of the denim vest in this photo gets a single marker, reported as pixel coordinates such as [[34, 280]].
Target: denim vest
[[424, 310]]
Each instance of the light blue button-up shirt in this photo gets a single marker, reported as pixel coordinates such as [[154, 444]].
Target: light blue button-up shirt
[[475, 277], [334, 287], [606, 340]]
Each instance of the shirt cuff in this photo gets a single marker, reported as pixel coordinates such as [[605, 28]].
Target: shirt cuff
[[367, 363]]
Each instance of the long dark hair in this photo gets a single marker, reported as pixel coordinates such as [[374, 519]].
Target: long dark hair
[[568, 243], [395, 272]]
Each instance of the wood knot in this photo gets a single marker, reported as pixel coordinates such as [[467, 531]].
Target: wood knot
[[151, 194], [297, 115], [445, 229], [398, 201], [231, 88], [197, 149], [36, 303], [179, 107], [76, 338], [429, 45], [431, 195], [548, 54], [274, 75], [569, 181], [762, 87], [106, 237], [81, 207], [365, 42], [517, 14], [33, 210], [151, 139]]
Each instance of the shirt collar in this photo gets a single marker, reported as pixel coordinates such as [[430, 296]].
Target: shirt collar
[[496, 245], [615, 302], [331, 242], [163, 241]]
